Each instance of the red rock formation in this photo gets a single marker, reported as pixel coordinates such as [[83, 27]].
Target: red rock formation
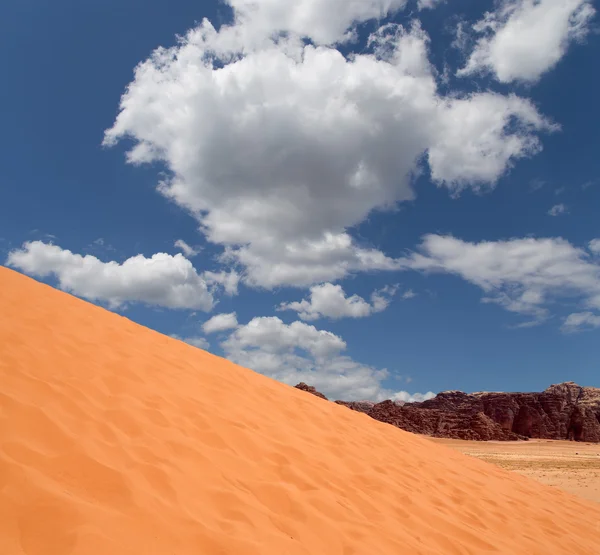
[[563, 411], [359, 406], [310, 389], [462, 421]]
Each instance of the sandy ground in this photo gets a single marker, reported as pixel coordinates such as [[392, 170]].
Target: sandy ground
[[568, 465], [115, 439]]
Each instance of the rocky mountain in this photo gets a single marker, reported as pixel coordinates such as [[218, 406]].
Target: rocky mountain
[[563, 411]]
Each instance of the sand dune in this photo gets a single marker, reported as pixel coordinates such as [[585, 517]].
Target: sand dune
[[118, 440]]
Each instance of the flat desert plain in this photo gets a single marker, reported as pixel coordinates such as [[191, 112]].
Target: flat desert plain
[[117, 440], [571, 466]]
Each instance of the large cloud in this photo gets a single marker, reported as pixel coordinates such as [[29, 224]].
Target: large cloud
[[522, 275], [162, 280], [323, 21], [300, 352], [278, 148], [330, 301], [523, 39]]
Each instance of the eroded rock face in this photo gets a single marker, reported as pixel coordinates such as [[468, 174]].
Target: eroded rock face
[[464, 420], [563, 411]]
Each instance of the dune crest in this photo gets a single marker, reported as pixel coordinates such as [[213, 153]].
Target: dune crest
[[115, 439]]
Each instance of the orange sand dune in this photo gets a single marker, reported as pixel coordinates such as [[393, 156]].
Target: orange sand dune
[[118, 440]]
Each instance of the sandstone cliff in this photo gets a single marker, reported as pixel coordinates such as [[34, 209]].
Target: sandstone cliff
[[563, 411]]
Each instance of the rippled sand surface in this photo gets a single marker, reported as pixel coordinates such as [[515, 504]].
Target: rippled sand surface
[[116, 440]]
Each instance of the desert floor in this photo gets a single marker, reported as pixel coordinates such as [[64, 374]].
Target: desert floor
[[568, 465]]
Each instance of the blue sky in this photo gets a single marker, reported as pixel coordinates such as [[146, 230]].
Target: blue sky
[[432, 181]]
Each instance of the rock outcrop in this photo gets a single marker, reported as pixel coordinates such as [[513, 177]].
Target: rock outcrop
[[563, 411], [310, 389]]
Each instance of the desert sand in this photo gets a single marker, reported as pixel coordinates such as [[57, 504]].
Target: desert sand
[[568, 465], [115, 439]]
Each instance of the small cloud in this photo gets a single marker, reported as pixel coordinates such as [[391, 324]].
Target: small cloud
[[100, 243], [560, 190], [445, 76], [220, 322], [557, 210], [331, 301], [461, 37], [536, 184], [428, 4], [580, 321], [588, 184], [594, 246], [187, 250], [406, 397], [48, 236], [410, 294], [529, 323]]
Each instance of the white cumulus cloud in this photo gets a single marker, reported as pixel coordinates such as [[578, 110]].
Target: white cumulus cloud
[[299, 352], [162, 280], [279, 148], [220, 322], [330, 301], [523, 39]]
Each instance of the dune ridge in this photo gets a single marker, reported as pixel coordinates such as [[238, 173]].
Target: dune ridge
[[115, 439]]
